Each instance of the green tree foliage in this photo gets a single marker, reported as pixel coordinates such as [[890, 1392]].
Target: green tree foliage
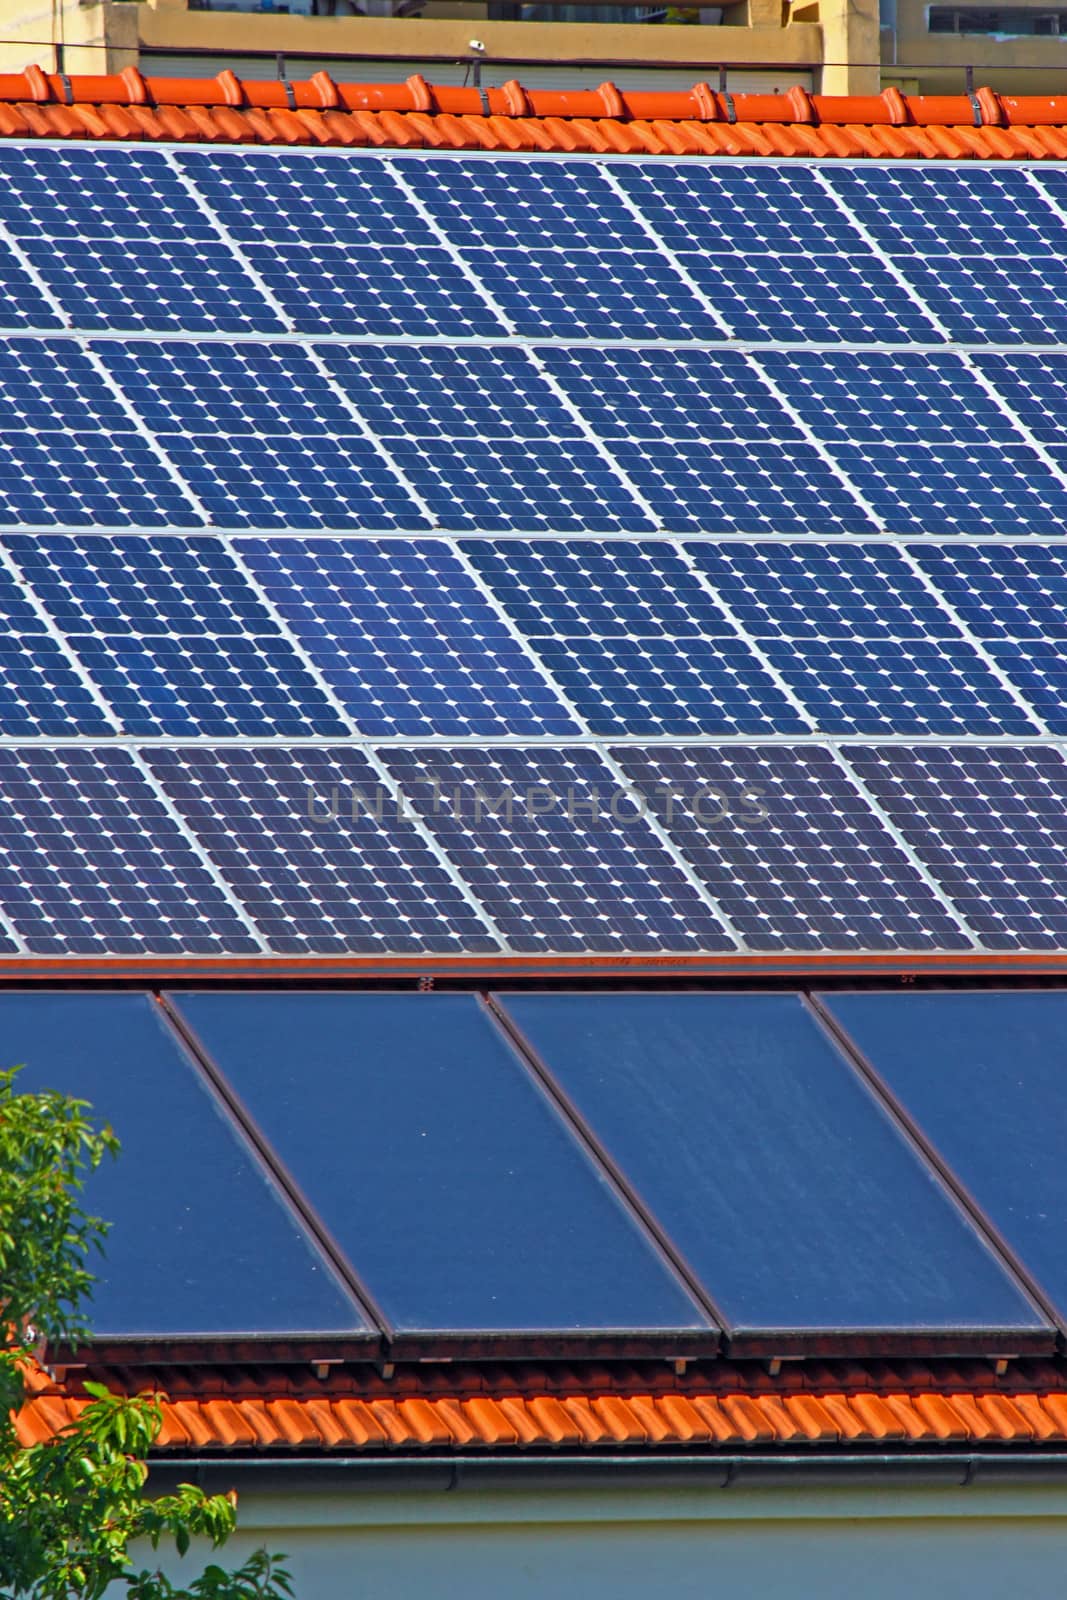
[[71, 1506]]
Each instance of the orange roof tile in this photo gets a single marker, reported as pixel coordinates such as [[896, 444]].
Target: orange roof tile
[[419, 115], [450, 1409]]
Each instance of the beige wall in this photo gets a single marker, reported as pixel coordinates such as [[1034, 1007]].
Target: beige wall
[[689, 1543], [828, 45]]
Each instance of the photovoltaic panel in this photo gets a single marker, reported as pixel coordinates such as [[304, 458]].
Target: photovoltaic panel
[[632, 637], [235, 1260], [404, 637], [859, 639], [564, 613], [981, 245], [173, 635], [24, 305], [927, 447], [41, 691], [259, 436], [91, 864], [995, 1108], [784, 1184], [535, 834], [789, 848], [990, 825], [153, 286], [1015, 601], [485, 440], [85, 191], [705, 440], [1035, 389], [773, 252], [444, 1173], [558, 250], [339, 246], [69, 452], [318, 851]]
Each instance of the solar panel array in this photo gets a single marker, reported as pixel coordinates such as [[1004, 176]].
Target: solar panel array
[[354, 1174], [417, 553]]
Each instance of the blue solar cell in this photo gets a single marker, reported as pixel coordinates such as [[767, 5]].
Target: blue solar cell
[[68, 451], [859, 639], [1035, 387], [88, 192], [24, 305], [555, 850], [405, 637], [318, 851], [991, 825], [260, 436], [444, 1172], [1015, 600], [158, 286], [173, 635], [558, 250], [90, 863], [704, 440], [632, 637], [183, 1166], [980, 244], [40, 690], [994, 1108], [789, 848], [773, 253], [736, 1121], [485, 440], [922, 441]]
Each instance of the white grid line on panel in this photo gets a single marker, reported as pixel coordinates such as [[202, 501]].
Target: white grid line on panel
[[895, 272], [571, 407], [598, 743], [105, 377], [521, 741], [527, 340], [489, 300], [929, 540], [749, 352], [757, 650], [940, 894], [664, 250], [364, 743], [305, 343], [989, 661]]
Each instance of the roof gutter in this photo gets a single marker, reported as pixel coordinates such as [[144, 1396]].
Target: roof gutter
[[475, 1473]]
